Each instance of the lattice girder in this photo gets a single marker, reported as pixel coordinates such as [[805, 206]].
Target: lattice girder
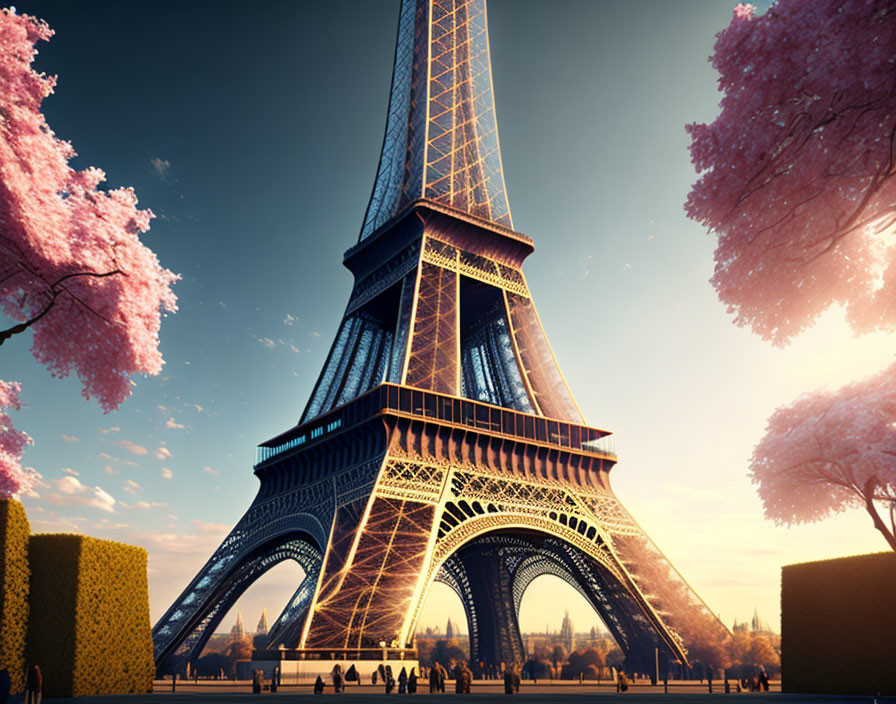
[[433, 359], [187, 626], [441, 137], [362, 599]]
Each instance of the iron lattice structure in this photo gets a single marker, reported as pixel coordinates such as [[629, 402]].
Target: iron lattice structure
[[441, 442]]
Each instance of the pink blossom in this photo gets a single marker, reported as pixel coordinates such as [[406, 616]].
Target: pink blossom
[[14, 478], [744, 11]]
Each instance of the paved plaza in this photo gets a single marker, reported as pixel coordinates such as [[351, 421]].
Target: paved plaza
[[234, 693]]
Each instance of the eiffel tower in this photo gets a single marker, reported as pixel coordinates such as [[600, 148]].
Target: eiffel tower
[[441, 442]]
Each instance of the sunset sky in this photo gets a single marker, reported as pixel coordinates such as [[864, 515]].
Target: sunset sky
[[253, 133]]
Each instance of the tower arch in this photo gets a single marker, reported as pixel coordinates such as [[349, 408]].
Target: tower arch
[[492, 561], [186, 627]]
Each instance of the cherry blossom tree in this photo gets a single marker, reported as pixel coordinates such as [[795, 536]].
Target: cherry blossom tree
[[799, 166], [798, 185], [72, 268], [829, 451]]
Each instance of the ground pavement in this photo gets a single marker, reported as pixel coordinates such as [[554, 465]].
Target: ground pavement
[[483, 693]]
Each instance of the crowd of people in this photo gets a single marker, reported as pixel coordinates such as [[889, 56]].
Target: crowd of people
[[756, 683], [437, 676], [407, 682]]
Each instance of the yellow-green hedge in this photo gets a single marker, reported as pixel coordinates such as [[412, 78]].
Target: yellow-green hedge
[[838, 626], [14, 574], [89, 628]]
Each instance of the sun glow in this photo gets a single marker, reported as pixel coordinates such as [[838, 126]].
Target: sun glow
[[830, 354]]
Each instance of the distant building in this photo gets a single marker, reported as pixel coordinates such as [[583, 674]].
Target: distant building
[[262, 628], [449, 630], [238, 632], [755, 625], [567, 633]]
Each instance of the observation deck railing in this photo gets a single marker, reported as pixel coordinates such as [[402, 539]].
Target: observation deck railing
[[406, 401]]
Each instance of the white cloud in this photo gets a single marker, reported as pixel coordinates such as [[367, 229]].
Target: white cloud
[[171, 423], [107, 524], [198, 408], [210, 527], [38, 482], [167, 473], [58, 524], [68, 485], [131, 447], [107, 456], [147, 504], [69, 438], [131, 487], [163, 453], [68, 491], [109, 430], [290, 319], [267, 342], [180, 544], [211, 471], [69, 470], [161, 166], [109, 469]]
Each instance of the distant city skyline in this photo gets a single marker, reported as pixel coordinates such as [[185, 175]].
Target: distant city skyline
[[255, 143], [458, 628]]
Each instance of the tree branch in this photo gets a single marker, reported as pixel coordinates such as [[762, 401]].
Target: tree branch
[[54, 293], [893, 516], [889, 536]]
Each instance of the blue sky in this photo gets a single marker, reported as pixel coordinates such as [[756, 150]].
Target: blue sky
[[253, 133]]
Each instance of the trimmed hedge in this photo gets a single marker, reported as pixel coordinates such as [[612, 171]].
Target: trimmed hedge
[[89, 628], [838, 626], [14, 576]]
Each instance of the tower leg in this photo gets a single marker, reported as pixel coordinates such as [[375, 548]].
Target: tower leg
[[370, 577], [495, 636], [186, 627]]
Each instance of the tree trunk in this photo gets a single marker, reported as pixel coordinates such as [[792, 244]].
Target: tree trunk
[[868, 495]]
